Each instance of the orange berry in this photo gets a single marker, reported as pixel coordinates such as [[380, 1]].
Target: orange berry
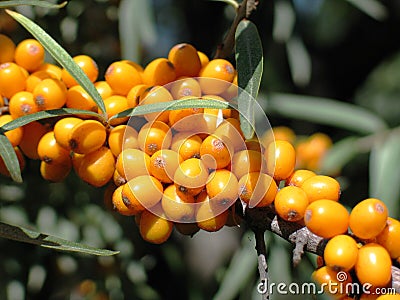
[[88, 66], [216, 76], [163, 164], [50, 151], [122, 76], [78, 98], [51, 69], [178, 207], [15, 136], [186, 144], [257, 189], [279, 133], [137, 94], [118, 179], [298, 177], [321, 187], [222, 187], [21, 160], [55, 172], [204, 60], [132, 163], [155, 229], [7, 49], [209, 216], [122, 137], [247, 161], [291, 203], [215, 152], [50, 94], [281, 159], [33, 132], [185, 60], [389, 297], [62, 130], [159, 71], [119, 204], [191, 176], [326, 218], [154, 136], [87, 136], [373, 265], [189, 229], [12, 79], [35, 78], [186, 87], [333, 283], [389, 237], [29, 54], [130, 203], [103, 88], [341, 253], [368, 218], [184, 119], [21, 104], [97, 167], [230, 130], [114, 105], [155, 95], [145, 190]]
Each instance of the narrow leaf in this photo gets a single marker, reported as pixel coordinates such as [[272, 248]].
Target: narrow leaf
[[232, 3], [373, 8], [384, 172], [9, 157], [21, 121], [323, 111], [60, 55], [299, 61], [25, 235], [249, 64], [45, 4]]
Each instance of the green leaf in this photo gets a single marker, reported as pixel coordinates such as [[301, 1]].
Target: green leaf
[[45, 4], [249, 64], [60, 55], [173, 105], [25, 235], [323, 111], [373, 8], [9, 157], [384, 174], [21, 121], [232, 3]]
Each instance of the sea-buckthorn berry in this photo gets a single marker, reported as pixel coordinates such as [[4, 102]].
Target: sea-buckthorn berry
[[312, 150], [78, 98], [137, 94], [189, 229], [321, 187], [326, 218], [279, 133], [368, 218], [15, 136], [55, 172], [341, 253], [186, 144], [159, 71], [22, 104], [118, 179], [114, 105], [373, 265], [204, 60], [157, 94], [88, 66], [132, 163], [119, 204], [51, 69], [50, 151], [222, 187], [291, 203], [122, 76], [62, 130], [7, 49], [216, 76], [163, 165], [209, 216], [230, 130], [333, 283], [257, 189], [191, 176], [87, 136], [97, 167], [390, 237], [50, 94], [216, 153], [103, 88], [298, 177], [178, 207], [131, 203], [12, 79], [154, 136], [155, 229], [122, 137], [76, 159], [21, 160], [145, 189], [184, 119], [185, 60], [389, 297], [29, 54], [281, 159], [247, 161], [33, 132], [35, 78], [185, 87], [226, 112]]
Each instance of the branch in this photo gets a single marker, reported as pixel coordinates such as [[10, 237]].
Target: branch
[[244, 11], [262, 262]]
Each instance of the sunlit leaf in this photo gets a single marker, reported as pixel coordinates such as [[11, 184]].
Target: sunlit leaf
[[40, 3], [375, 9], [249, 64], [9, 157], [323, 111], [25, 235], [60, 55]]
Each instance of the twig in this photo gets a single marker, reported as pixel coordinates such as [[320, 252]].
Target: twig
[[244, 11], [262, 262]]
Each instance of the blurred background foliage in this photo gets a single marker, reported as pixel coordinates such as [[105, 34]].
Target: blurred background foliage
[[346, 50]]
